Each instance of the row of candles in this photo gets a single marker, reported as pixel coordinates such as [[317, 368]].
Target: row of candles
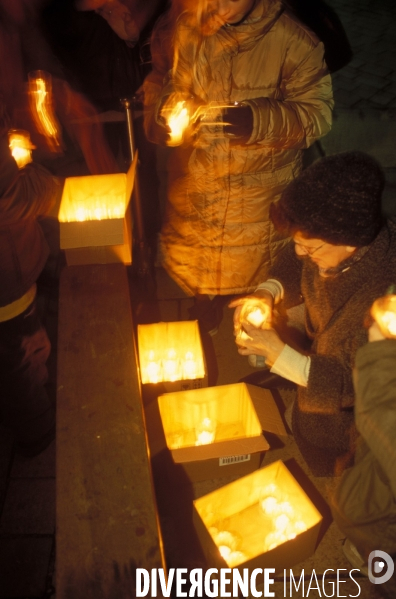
[[79, 208], [170, 366], [283, 523]]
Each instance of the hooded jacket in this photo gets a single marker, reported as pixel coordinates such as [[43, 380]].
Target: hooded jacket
[[217, 237]]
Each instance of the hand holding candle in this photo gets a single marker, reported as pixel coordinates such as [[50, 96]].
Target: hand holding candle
[[21, 147], [260, 342], [383, 311], [254, 309], [179, 114]]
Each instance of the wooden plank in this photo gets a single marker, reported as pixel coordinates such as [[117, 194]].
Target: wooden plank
[[106, 516]]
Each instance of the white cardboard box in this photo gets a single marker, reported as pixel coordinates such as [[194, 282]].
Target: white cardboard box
[[241, 413], [95, 218]]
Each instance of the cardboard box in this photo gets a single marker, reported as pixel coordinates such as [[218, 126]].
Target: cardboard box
[[95, 220], [171, 353], [250, 523], [217, 431]]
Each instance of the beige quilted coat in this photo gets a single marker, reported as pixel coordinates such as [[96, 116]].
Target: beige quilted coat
[[217, 238]]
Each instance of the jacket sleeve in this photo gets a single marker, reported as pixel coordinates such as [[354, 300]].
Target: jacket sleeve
[[171, 74], [304, 111], [375, 409], [330, 385]]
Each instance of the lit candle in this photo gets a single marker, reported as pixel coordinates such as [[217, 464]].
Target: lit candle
[[286, 508], [189, 366], [21, 147], [281, 522], [254, 312], [171, 366], [384, 313], [205, 432], [225, 551], [40, 84], [153, 368], [269, 498], [178, 122], [269, 505]]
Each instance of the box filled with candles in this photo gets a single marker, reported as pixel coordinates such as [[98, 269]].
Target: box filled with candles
[[94, 217], [217, 432], [171, 353], [263, 520]]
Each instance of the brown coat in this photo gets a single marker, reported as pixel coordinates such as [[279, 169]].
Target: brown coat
[[335, 308], [217, 237], [25, 195]]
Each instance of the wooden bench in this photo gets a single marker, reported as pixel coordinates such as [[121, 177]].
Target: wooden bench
[[106, 519]]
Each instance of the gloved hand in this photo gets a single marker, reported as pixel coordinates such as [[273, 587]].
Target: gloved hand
[[238, 122]]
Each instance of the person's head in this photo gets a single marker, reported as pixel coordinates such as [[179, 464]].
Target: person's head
[[127, 18], [230, 12], [332, 208], [213, 14]]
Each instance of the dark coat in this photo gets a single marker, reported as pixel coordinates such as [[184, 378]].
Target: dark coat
[[24, 195], [336, 307]]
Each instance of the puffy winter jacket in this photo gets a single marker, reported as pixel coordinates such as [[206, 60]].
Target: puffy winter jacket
[[217, 237]]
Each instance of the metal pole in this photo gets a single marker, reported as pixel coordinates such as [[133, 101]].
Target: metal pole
[[143, 260]]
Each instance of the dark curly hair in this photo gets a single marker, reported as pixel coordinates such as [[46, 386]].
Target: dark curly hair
[[337, 199]]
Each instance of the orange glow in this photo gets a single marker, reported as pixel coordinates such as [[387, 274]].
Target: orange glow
[[206, 431], [254, 312], [21, 147], [178, 122], [42, 108], [208, 416], [285, 512], [170, 351], [384, 313], [94, 197]]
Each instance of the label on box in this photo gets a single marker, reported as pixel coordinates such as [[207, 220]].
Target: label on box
[[234, 459]]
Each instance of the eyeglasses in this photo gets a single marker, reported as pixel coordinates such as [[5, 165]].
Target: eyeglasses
[[308, 250]]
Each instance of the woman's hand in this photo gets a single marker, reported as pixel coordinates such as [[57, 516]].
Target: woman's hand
[[261, 342], [263, 296]]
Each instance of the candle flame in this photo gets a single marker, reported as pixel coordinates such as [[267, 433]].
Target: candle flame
[[205, 432], [21, 147], [178, 122], [256, 317], [44, 109], [389, 320], [171, 368], [384, 312]]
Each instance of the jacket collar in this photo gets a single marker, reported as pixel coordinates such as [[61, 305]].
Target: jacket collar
[[258, 22]]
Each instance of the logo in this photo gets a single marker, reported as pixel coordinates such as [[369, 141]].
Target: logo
[[380, 567]]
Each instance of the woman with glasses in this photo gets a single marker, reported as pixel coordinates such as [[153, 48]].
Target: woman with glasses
[[341, 257]]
